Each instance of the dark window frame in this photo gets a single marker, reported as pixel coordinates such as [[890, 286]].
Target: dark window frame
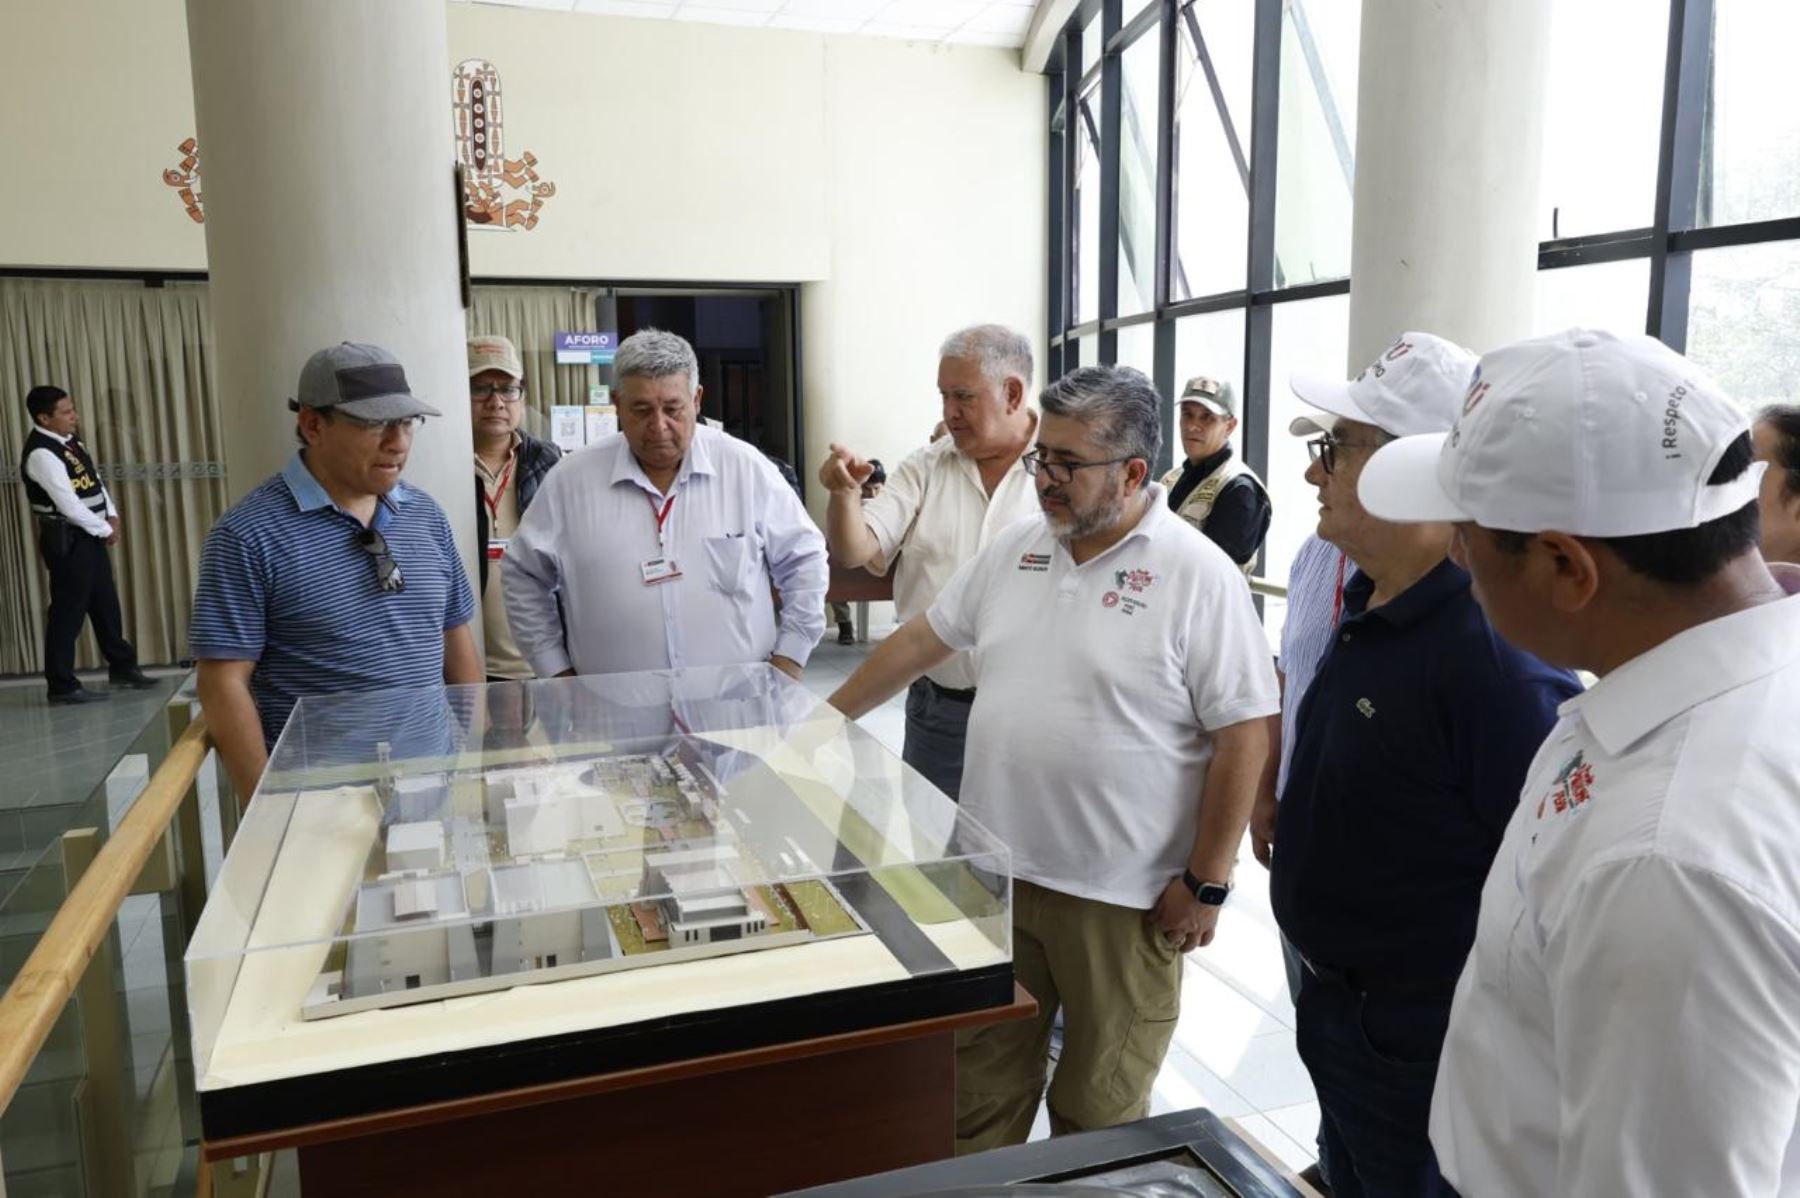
[[1669, 244]]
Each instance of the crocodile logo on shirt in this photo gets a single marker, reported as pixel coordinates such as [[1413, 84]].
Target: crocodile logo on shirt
[[1574, 786]]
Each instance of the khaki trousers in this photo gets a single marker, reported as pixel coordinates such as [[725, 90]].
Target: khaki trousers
[[1119, 987]]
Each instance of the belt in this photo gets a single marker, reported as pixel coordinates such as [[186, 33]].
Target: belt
[[1385, 985], [954, 696]]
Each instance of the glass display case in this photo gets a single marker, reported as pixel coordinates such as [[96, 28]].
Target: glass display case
[[453, 890]]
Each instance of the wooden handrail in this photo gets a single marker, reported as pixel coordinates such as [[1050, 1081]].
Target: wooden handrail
[[48, 978]]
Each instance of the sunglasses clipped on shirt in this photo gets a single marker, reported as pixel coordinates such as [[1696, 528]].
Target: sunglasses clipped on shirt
[[387, 570]]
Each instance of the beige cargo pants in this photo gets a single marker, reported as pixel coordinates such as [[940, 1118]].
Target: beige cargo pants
[[1119, 987]]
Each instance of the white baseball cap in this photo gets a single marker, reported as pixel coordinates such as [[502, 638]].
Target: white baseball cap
[[1413, 387], [1581, 432]]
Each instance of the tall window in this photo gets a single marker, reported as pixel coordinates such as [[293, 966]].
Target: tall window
[[1697, 120], [1212, 128]]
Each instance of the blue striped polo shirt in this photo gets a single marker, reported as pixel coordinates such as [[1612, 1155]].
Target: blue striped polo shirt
[[285, 583]]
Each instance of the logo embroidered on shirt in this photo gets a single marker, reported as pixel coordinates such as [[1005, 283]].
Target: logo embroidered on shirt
[[1366, 709], [1125, 603], [1136, 581], [1574, 786], [1035, 563]]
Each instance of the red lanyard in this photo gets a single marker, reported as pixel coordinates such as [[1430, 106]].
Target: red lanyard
[[493, 504], [1337, 599], [661, 517]]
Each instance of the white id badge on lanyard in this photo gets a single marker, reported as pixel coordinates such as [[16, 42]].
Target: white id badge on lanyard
[[658, 570]]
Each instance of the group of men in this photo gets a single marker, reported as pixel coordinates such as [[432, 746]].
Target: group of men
[[1543, 941]]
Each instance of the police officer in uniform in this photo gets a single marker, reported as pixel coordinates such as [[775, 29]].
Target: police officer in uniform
[[1213, 490], [76, 521]]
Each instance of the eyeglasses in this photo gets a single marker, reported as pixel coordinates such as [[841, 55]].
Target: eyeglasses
[[387, 570], [510, 393], [1063, 472], [1324, 449], [405, 424]]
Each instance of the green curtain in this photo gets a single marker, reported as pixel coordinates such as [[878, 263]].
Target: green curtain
[[137, 360], [531, 317]]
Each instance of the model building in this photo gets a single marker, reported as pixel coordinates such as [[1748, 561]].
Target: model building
[[487, 879]]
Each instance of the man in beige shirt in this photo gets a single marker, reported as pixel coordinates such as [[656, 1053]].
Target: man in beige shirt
[[509, 465], [939, 508]]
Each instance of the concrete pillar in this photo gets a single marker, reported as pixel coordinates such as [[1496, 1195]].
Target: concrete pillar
[[1449, 124], [327, 152]]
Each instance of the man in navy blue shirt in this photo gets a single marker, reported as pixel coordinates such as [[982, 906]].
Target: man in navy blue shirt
[[1410, 748], [333, 576]]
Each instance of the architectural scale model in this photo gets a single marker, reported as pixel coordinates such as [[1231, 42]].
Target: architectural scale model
[[485, 880]]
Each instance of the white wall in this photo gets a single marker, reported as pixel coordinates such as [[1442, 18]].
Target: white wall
[[902, 182], [101, 96], [678, 150], [936, 165]]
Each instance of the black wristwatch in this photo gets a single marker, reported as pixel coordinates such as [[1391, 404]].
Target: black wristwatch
[[1211, 894]]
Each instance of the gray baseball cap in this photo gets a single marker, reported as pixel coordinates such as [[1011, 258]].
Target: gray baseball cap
[[364, 381]]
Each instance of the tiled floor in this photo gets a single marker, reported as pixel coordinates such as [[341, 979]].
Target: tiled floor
[[56, 757], [1234, 1046], [56, 760]]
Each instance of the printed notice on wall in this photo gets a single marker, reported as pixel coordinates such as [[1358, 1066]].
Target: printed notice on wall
[[568, 427], [602, 420]]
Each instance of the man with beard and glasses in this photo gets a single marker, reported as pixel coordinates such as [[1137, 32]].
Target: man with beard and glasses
[[1115, 744], [334, 575]]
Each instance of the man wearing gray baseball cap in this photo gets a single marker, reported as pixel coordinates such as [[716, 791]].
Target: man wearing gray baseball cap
[[1627, 1021], [334, 575]]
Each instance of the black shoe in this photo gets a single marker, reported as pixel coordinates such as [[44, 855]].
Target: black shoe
[[78, 695], [846, 635], [136, 680]]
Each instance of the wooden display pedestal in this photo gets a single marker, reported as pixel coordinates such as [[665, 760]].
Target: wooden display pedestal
[[753, 1123]]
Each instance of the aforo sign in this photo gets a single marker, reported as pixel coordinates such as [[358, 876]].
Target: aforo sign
[[586, 349]]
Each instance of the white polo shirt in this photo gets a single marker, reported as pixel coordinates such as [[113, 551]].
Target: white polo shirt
[[935, 513], [1098, 687], [1628, 1021]]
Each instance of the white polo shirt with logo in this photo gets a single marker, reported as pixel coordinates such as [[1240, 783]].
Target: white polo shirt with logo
[[1098, 689], [1628, 1021]]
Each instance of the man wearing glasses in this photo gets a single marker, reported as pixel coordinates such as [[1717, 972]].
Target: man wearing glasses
[[333, 575], [509, 465], [1410, 746], [663, 546], [1115, 746]]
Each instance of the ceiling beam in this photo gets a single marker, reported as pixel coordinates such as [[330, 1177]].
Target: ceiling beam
[[1047, 20]]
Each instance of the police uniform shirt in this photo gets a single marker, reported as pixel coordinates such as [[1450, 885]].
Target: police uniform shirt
[[1099, 687], [1629, 1019], [57, 464]]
